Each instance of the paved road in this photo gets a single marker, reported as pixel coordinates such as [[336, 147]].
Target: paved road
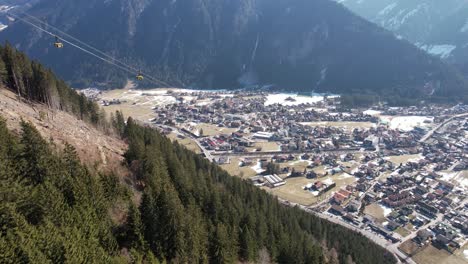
[[207, 153], [430, 133]]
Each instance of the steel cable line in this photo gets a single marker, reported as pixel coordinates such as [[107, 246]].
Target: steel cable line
[[109, 60], [79, 41]]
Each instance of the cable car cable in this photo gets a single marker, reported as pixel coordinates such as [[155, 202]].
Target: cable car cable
[[95, 49], [127, 68], [77, 40]]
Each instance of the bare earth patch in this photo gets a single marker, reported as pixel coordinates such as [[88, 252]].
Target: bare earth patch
[[409, 247], [94, 147]]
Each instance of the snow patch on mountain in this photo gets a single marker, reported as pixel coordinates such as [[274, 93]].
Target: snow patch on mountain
[[6, 8], [442, 51], [465, 27], [387, 9], [395, 22], [411, 13]]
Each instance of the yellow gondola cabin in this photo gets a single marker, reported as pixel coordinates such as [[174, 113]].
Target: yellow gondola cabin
[[58, 44]]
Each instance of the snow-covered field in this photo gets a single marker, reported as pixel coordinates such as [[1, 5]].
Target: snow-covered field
[[448, 176], [299, 161], [386, 210], [258, 168], [372, 112], [298, 99], [460, 178], [407, 123]]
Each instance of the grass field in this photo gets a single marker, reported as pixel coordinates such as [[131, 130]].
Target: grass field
[[138, 112], [234, 169], [187, 142], [213, 130], [409, 247], [403, 158], [294, 191], [134, 103], [432, 255], [265, 146], [298, 165], [376, 212], [402, 231]]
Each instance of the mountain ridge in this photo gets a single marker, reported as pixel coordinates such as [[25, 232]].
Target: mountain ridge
[[224, 45], [438, 27]]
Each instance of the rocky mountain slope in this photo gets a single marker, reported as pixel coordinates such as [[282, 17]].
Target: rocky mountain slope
[[438, 27], [293, 45]]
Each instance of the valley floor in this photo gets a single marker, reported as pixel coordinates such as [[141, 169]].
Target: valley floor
[[339, 166]]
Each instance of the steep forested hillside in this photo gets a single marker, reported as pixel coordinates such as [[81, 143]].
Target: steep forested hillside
[[174, 207], [297, 45], [54, 209]]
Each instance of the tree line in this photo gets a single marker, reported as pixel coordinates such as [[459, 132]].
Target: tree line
[[193, 211], [33, 82]]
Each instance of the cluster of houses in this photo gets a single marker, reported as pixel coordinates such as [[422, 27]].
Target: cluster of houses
[[320, 187], [111, 102], [417, 192], [439, 111], [441, 235], [255, 121]]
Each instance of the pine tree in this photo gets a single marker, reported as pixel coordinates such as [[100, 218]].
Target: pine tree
[[34, 154], [248, 248], [222, 248], [118, 123], [3, 71], [135, 230]]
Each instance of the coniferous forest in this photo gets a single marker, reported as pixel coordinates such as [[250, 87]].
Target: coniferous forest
[[53, 209], [36, 83]]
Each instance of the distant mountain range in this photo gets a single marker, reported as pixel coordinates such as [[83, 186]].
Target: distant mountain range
[[297, 45], [439, 27]]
